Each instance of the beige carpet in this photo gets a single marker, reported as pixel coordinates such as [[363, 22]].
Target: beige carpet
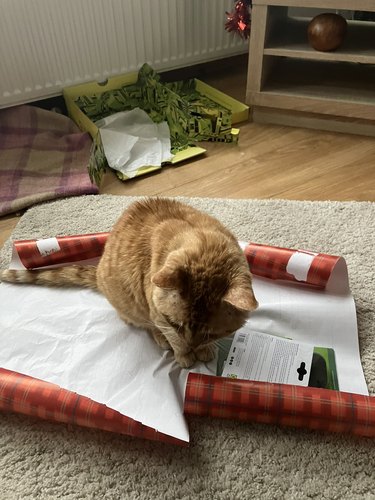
[[226, 460]]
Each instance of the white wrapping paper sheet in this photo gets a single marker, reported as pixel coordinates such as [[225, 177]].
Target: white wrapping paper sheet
[[324, 318], [74, 338]]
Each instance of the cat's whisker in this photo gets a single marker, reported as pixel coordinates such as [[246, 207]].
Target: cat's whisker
[[157, 325], [163, 328], [149, 323]]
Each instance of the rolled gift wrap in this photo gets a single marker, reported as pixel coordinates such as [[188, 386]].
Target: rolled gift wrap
[[281, 404], [37, 398], [264, 260]]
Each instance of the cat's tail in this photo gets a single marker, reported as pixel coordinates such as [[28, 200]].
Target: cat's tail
[[81, 276]]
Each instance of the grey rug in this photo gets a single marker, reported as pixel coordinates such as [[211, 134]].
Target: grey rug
[[226, 460]]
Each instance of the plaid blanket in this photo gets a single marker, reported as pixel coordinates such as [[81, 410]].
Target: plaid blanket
[[43, 155]]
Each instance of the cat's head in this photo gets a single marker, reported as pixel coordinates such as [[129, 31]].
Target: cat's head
[[201, 298]]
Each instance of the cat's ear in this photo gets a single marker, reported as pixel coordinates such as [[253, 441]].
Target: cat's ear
[[173, 274], [241, 298], [167, 278]]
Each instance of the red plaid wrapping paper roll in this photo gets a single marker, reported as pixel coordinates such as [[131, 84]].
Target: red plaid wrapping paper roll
[[205, 395], [272, 262], [289, 405], [29, 396], [265, 261], [72, 249]]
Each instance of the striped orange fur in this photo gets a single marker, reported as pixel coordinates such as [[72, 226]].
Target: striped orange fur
[[82, 276], [170, 269]]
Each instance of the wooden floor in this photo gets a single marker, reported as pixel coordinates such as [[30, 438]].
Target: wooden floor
[[269, 161]]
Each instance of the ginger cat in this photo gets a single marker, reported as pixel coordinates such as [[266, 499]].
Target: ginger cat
[[170, 269]]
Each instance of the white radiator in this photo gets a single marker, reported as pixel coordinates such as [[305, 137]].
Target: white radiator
[[46, 45]]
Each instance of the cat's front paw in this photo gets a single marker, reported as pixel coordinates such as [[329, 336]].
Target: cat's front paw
[[206, 352], [185, 360]]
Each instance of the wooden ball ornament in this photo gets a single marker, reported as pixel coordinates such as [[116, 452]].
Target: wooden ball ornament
[[327, 31]]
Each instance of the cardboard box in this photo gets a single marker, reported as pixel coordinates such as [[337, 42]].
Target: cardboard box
[[240, 113]]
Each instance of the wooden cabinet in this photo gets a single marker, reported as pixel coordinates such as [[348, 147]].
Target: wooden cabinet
[[291, 83]]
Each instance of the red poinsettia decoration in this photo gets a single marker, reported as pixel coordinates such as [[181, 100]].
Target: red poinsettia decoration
[[239, 20]]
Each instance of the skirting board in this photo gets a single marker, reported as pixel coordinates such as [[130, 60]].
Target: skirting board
[[261, 114]]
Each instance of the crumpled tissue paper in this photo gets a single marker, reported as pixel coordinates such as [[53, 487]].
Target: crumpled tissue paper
[[131, 140]]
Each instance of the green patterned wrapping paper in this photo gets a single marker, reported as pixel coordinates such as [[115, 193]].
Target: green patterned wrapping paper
[[191, 116]]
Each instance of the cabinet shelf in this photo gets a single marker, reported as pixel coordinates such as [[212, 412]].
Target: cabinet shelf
[[290, 40], [317, 86], [286, 74]]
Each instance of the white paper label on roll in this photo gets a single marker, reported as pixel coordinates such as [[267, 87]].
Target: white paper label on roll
[[48, 246], [299, 265]]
